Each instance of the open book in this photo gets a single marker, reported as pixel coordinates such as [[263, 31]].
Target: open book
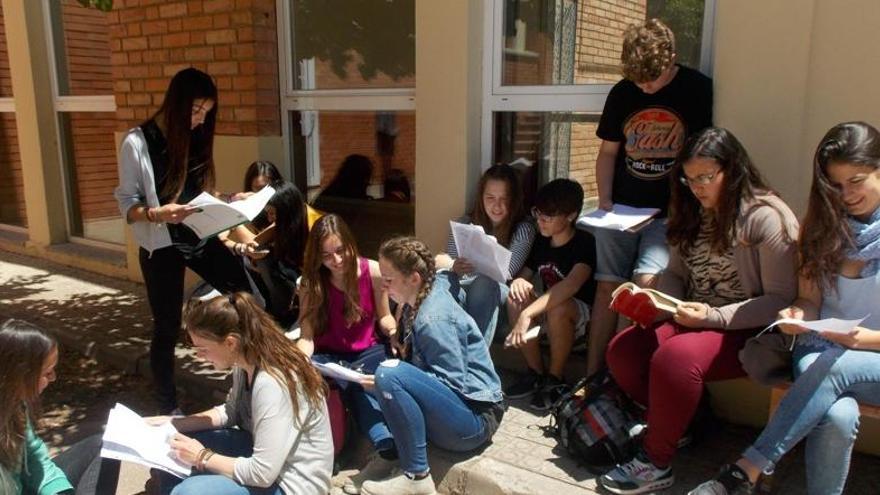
[[215, 216], [621, 217], [642, 306], [129, 438], [482, 250]]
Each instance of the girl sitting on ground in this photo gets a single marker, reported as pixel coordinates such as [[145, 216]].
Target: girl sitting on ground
[[732, 246], [341, 304], [272, 436], [839, 278], [449, 393], [498, 208]]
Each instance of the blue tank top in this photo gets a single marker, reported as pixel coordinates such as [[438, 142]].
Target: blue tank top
[[854, 298]]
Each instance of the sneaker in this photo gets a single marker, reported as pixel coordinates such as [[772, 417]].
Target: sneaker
[[637, 476], [377, 468], [732, 480], [400, 485], [527, 385], [549, 394]]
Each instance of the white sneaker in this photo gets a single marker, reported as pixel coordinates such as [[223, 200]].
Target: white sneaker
[[376, 469], [637, 476], [400, 485]]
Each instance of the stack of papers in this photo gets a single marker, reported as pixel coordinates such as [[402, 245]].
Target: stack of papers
[[481, 250], [215, 216], [621, 217], [129, 438], [833, 325], [339, 372]]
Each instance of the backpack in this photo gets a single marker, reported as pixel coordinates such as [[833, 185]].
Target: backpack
[[593, 427]]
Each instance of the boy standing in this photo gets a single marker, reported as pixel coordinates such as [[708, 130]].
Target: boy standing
[[564, 258], [646, 120]]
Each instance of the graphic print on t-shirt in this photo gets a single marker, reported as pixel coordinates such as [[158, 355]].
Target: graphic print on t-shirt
[[550, 274], [653, 137]]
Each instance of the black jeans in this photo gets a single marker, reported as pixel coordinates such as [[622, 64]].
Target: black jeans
[[86, 470], [163, 275]]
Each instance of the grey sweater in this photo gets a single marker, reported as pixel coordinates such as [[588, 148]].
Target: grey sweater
[[766, 263], [298, 454]]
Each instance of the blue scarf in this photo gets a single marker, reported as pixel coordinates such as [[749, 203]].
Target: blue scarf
[[867, 237]]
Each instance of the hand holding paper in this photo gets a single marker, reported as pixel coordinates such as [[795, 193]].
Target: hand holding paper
[[129, 438], [833, 325], [481, 250]]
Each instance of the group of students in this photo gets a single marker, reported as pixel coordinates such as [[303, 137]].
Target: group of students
[[419, 324]]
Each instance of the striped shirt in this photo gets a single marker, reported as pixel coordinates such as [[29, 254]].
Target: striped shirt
[[520, 244]]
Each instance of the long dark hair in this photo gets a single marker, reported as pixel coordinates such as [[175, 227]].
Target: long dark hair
[[23, 351], [186, 144], [291, 223], [825, 235], [352, 179], [261, 168], [263, 343], [316, 277], [515, 208], [742, 183]]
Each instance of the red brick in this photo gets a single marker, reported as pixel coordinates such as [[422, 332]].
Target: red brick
[[137, 85], [176, 40], [155, 56], [242, 18], [135, 57], [120, 99], [200, 53], [243, 52], [129, 44], [223, 82], [131, 15], [175, 25], [121, 86], [224, 68], [155, 41], [124, 113], [195, 7], [247, 67], [152, 13], [169, 70], [153, 85], [119, 58], [177, 55], [218, 5], [154, 27], [221, 21], [139, 99], [172, 10], [133, 30], [243, 83], [198, 37], [245, 34], [222, 52], [201, 22], [220, 36]]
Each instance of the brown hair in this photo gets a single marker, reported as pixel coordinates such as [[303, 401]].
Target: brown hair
[[24, 349], [648, 50], [515, 208], [262, 342], [825, 234], [409, 255], [316, 277]]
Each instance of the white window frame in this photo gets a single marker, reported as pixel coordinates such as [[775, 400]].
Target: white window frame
[[589, 98], [338, 100], [62, 104]]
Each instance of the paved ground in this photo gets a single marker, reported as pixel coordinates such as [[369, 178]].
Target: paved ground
[[108, 319]]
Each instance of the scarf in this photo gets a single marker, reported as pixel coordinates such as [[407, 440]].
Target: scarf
[[867, 239]]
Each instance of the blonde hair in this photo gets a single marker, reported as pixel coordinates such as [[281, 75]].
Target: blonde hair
[[648, 50]]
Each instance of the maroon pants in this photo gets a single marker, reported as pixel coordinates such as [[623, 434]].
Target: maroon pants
[[664, 367]]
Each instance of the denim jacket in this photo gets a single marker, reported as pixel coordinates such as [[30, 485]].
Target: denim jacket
[[447, 344]]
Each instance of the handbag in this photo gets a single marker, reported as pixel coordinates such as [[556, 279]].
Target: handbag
[[766, 358]]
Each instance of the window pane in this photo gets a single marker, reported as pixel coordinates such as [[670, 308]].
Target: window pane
[[82, 49], [550, 42], [12, 211], [5, 76], [353, 44], [90, 164], [548, 145], [360, 165]]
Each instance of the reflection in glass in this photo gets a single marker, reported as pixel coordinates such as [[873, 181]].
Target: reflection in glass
[[5, 76], [12, 209], [360, 165], [353, 44], [82, 49], [563, 42], [548, 145]]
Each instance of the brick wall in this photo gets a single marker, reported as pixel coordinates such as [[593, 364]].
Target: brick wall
[[600, 37], [12, 208], [233, 40]]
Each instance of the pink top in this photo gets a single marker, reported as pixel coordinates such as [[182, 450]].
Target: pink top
[[339, 338]]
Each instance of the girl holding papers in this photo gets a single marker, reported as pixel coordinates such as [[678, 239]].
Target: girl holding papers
[[839, 278], [28, 357], [163, 164], [732, 262], [282, 443], [499, 209], [341, 304]]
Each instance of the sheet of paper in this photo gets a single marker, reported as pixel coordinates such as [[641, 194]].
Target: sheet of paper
[[835, 325], [254, 204], [621, 217], [338, 372], [482, 250], [129, 438], [531, 333]]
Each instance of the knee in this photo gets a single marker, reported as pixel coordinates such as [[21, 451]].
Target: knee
[[673, 359], [842, 419], [388, 375], [620, 351], [604, 289]]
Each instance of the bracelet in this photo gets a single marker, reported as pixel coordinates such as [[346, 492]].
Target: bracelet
[[151, 215], [200, 457], [204, 461]]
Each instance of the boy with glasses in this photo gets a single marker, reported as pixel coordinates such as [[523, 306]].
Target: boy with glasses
[[646, 120], [564, 258]]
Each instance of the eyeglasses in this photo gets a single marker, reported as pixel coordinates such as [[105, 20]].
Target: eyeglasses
[[700, 180], [541, 217]]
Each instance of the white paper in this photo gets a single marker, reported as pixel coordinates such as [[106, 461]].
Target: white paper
[[621, 217], [481, 250], [129, 438], [216, 216], [529, 335], [834, 325], [338, 372]]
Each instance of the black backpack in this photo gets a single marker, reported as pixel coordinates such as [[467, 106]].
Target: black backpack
[[594, 426]]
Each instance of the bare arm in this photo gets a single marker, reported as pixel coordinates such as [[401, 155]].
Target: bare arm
[[605, 171], [564, 290], [387, 323]]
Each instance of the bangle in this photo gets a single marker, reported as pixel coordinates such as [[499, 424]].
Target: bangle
[[204, 460], [151, 215], [199, 458]]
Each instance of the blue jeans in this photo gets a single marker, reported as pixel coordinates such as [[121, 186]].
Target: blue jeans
[[822, 405], [418, 408], [364, 406], [484, 301], [229, 442], [620, 255]]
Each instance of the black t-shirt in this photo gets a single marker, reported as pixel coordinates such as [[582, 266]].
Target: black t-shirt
[[652, 129], [554, 263]]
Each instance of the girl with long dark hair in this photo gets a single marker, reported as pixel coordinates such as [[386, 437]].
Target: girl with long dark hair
[[164, 163], [732, 243], [839, 278], [273, 434]]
